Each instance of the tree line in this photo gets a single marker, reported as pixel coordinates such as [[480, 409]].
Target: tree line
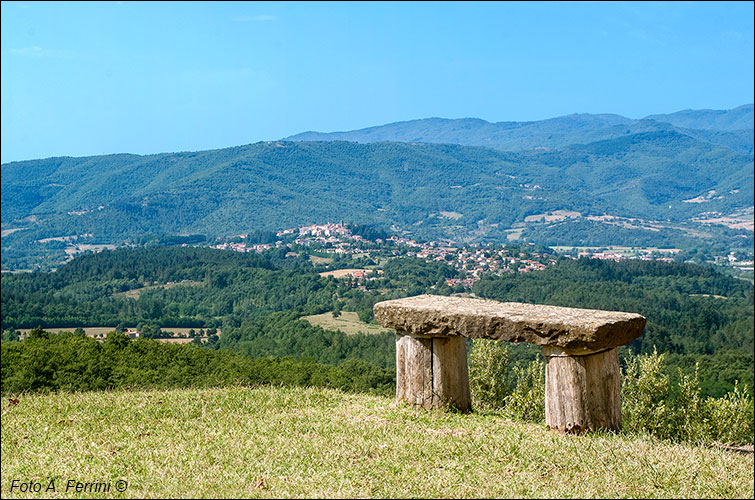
[[695, 314], [73, 362]]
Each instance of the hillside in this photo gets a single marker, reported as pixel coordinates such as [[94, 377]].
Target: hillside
[[258, 300], [649, 176], [730, 128], [267, 442], [740, 118]]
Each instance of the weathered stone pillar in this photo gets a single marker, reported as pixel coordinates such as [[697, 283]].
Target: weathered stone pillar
[[582, 392], [432, 372]]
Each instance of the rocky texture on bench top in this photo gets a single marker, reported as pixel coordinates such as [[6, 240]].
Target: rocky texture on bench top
[[576, 331]]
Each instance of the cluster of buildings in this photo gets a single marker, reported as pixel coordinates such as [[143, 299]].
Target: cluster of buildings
[[474, 259], [742, 265], [616, 256], [477, 260], [324, 231], [466, 282], [337, 238], [244, 247]]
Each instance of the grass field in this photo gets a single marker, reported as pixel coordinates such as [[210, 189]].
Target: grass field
[[619, 249], [347, 322], [135, 293], [90, 331], [296, 442], [342, 273], [314, 259], [97, 331]]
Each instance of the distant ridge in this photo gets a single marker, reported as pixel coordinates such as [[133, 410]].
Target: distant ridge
[[282, 184], [740, 118], [696, 183], [732, 129]]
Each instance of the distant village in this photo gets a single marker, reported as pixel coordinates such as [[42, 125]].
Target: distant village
[[474, 259]]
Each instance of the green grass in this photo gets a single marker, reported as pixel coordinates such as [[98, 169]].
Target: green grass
[[136, 292], [324, 443], [314, 259], [348, 322]]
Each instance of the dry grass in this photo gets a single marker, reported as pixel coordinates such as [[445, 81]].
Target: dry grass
[[451, 215], [90, 331], [348, 322], [296, 442], [101, 331], [342, 273]]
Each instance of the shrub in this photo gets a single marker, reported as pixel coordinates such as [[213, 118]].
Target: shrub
[[731, 417], [650, 402], [527, 401], [71, 362], [677, 412], [517, 390], [488, 374], [644, 392]]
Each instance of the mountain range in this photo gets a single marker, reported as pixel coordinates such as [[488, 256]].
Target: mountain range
[[732, 128], [578, 179]]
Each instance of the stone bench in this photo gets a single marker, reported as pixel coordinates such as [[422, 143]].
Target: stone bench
[[582, 377]]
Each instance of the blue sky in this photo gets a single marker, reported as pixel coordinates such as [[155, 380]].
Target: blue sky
[[97, 78]]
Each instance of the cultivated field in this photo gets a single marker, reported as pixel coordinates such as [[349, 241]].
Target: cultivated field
[[341, 273], [102, 331], [451, 215], [348, 322], [81, 247], [90, 331], [273, 442], [630, 251]]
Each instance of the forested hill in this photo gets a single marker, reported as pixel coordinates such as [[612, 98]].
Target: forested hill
[[693, 313], [413, 186], [735, 119], [730, 128]]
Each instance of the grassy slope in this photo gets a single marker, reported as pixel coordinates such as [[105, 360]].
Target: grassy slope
[[348, 322], [324, 443]]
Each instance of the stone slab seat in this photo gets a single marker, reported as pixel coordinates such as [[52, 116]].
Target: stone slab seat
[[582, 369]]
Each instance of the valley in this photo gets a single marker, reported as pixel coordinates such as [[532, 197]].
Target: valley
[[657, 185], [377, 250]]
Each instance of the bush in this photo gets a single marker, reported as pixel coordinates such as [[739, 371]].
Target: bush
[[644, 391], [731, 417], [650, 404], [488, 374], [527, 401], [71, 362], [517, 390]]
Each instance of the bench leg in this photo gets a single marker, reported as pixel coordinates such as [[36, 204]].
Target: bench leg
[[582, 392], [432, 372]]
